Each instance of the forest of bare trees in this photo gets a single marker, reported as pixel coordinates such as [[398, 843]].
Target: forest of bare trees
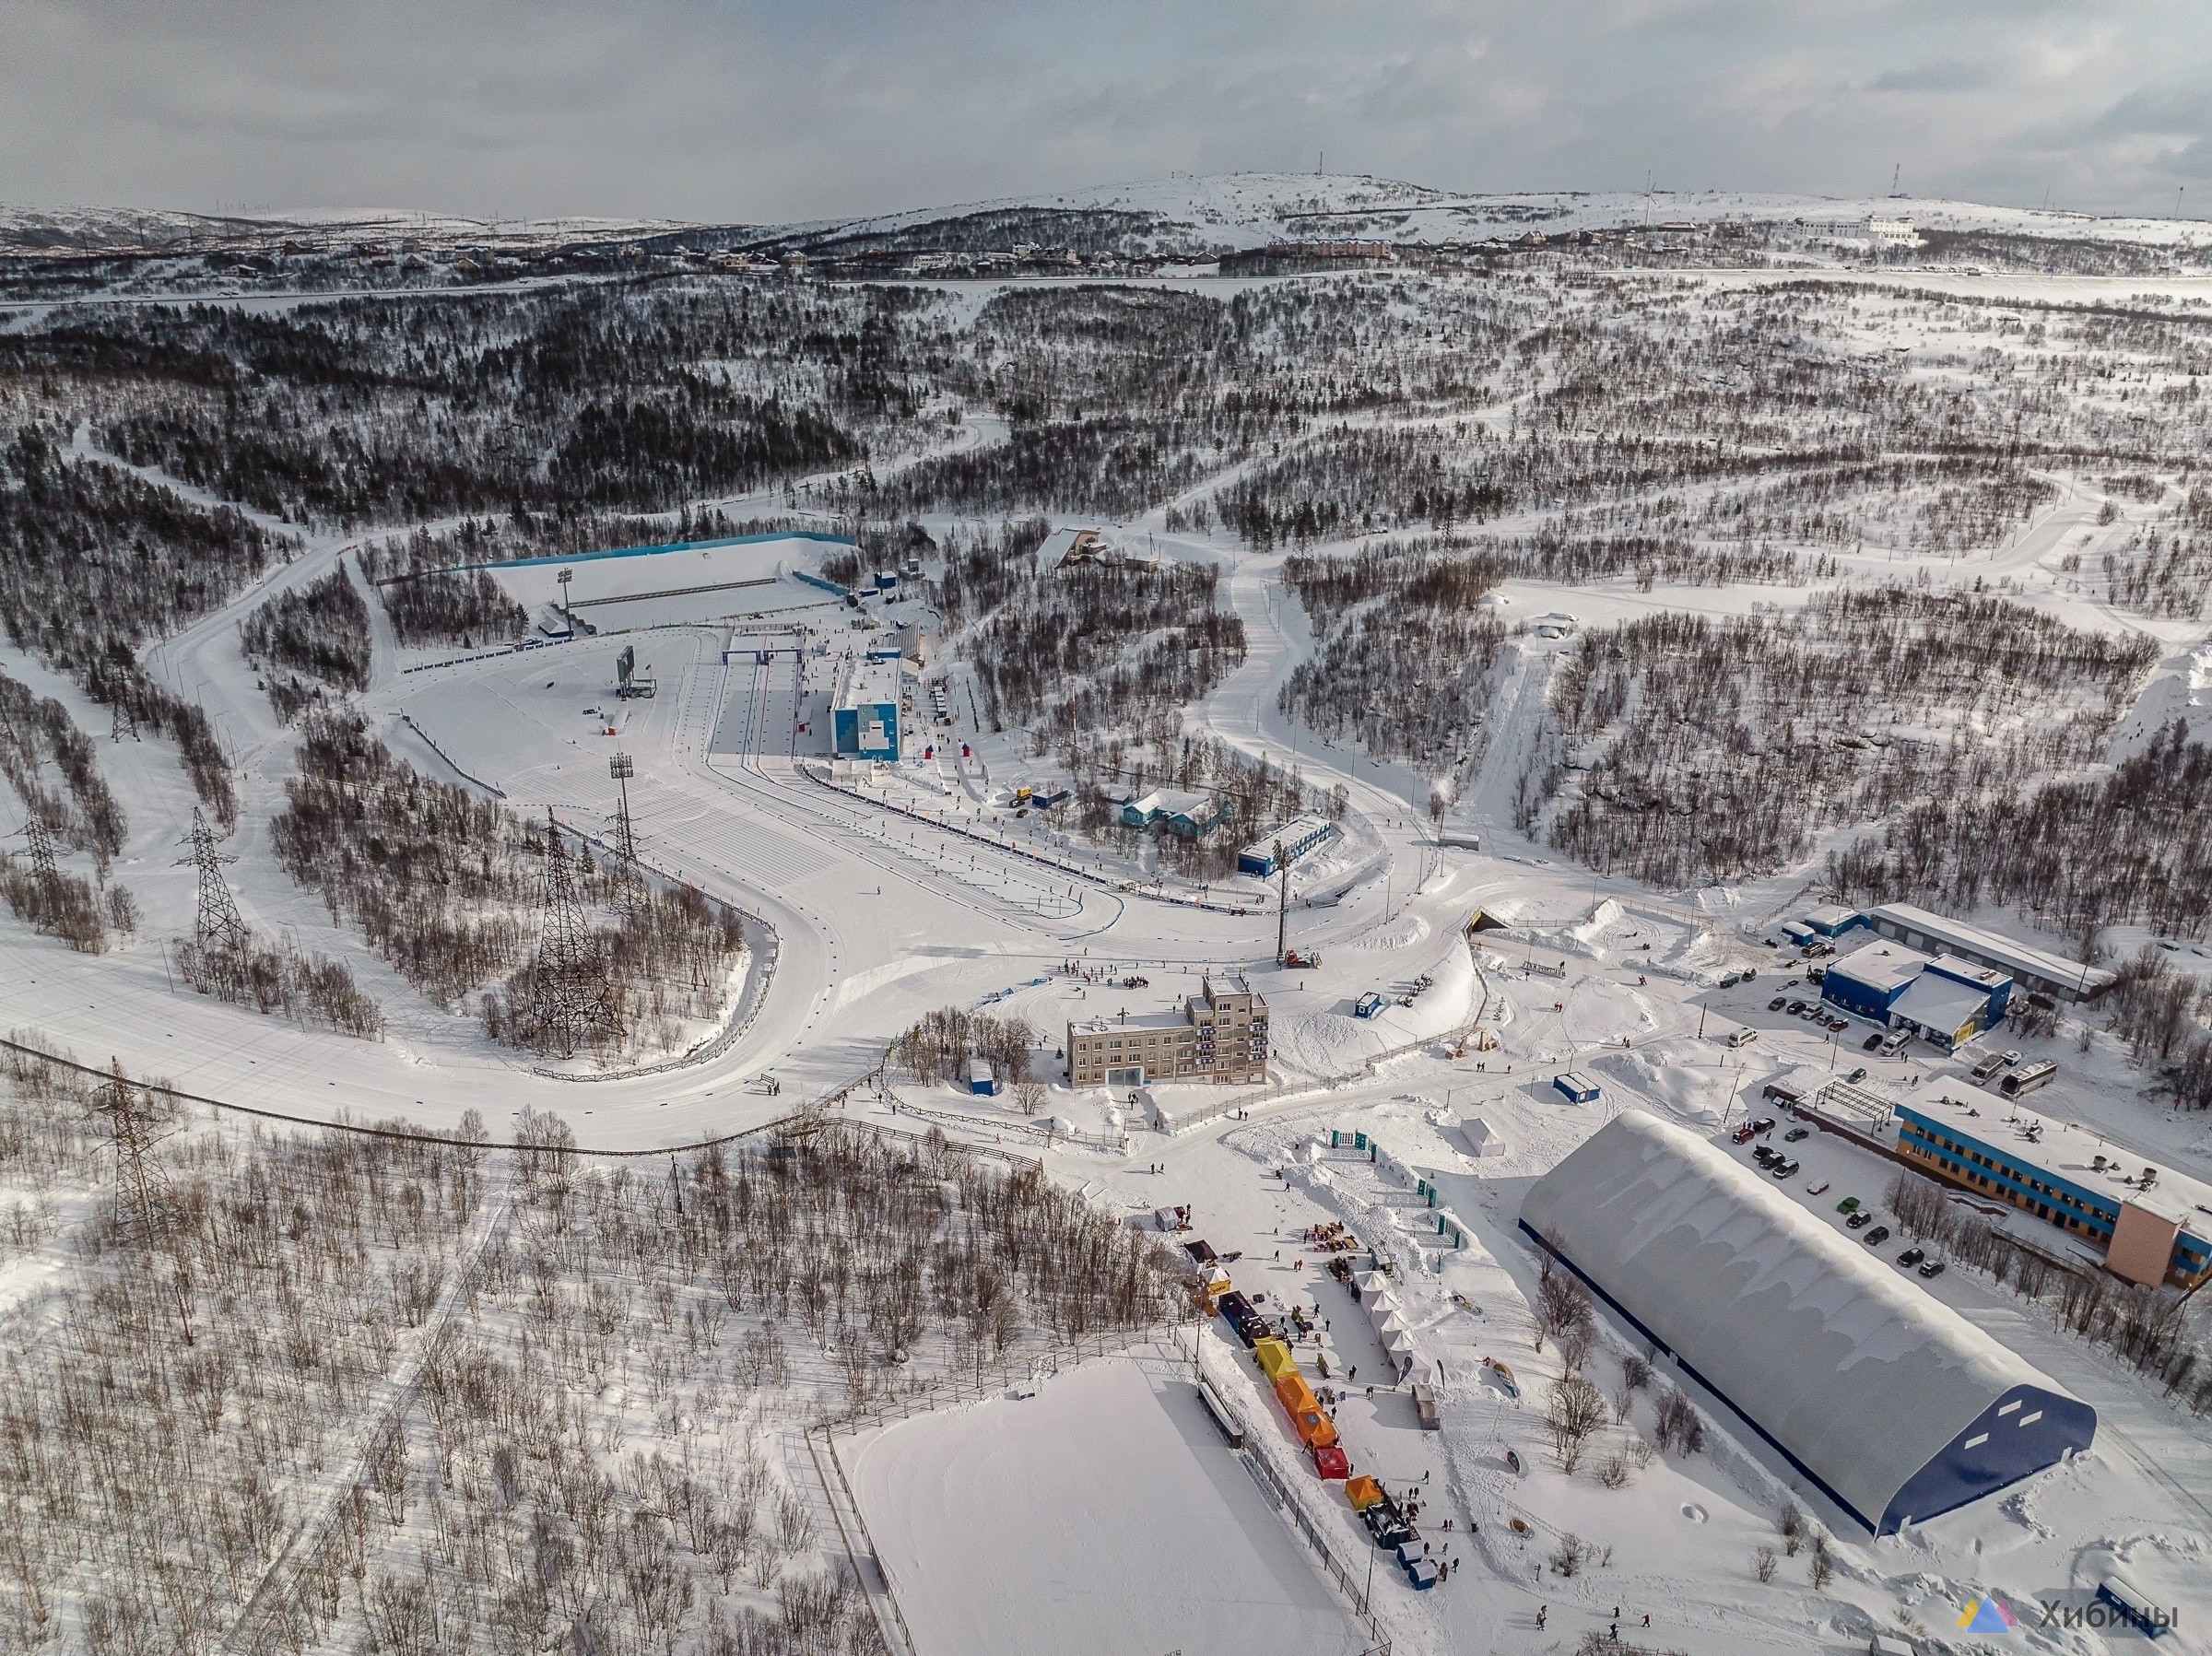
[[936, 1051], [1687, 751], [385, 1391], [320, 629], [450, 888]]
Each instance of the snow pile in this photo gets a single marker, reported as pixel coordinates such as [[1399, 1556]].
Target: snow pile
[[1679, 1076]]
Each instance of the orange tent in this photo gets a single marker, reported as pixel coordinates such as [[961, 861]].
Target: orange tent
[[1363, 1492], [1315, 1427]]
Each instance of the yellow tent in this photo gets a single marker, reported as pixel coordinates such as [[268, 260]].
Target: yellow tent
[[1275, 1358]]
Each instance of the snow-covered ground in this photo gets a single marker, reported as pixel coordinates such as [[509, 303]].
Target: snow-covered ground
[[1102, 1513]]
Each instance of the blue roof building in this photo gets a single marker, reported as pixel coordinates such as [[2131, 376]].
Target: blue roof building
[[864, 717]]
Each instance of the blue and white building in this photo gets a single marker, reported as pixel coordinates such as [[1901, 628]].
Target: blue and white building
[[1946, 1000], [1297, 837], [863, 716]]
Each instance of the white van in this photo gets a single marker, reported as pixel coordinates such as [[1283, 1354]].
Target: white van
[[1743, 1037]]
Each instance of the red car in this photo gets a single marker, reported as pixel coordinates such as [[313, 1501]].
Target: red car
[[1746, 1134]]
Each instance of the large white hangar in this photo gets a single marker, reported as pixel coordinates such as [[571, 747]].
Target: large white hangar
[[1896, 1408]]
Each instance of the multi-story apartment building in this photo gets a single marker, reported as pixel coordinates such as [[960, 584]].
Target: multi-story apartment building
[[1220, 1036]]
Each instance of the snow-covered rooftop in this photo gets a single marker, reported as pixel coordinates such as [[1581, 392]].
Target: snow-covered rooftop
[[1855, 1373], [1881, 966]]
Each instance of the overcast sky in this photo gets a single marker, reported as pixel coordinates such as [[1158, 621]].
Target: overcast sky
[[780, 109]]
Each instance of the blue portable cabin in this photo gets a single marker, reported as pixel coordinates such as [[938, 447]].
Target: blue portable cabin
[[982, 1080], [1576, 1088]]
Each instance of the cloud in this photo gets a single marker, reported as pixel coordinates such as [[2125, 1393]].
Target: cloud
[[767, 109], [1951, 76]]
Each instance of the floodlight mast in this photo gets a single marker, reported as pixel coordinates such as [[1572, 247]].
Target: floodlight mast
[[622, 767], [1282, 907]]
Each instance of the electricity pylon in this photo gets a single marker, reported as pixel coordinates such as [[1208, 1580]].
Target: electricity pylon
[[568, 986], [217, 927]]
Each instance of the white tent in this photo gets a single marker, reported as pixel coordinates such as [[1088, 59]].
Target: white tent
[[1890, 1403], [1482, 1138]]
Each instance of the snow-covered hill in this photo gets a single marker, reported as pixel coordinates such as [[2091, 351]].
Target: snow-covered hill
[[1207, 213]]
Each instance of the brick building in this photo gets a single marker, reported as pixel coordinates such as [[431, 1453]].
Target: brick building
[[1220, 1036]]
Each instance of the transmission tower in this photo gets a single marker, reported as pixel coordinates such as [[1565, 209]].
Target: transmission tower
[[218, 929], [622, 767], [122, 720], [42, 866], [145, 1207], [569, 988], [142, 1205]]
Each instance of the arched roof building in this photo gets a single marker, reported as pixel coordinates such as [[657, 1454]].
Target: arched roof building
[[1891, 1404]]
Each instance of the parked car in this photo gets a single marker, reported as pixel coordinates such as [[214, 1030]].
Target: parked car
[[1933, 1268], [1861, 1219], [1775, 1005], [1911, 1256], [1817, 1190], [1794, 1133], [1745, 1134], [1793, 1008], [1894, 1042], [1990, 1064], [1764, 1124], [1763, 1154], [1871, 1042], [1783, 1168], [2009, 1058], [1855, 1076], [1850, 1205], [1876, 1237], [1838, 1023]]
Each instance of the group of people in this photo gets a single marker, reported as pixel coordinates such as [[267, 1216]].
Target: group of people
[[1544, 1614]]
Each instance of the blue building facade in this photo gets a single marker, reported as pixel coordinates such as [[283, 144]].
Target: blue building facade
[[2013, 1173], [1298, 836], [1944, 1000], [863, 719]]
